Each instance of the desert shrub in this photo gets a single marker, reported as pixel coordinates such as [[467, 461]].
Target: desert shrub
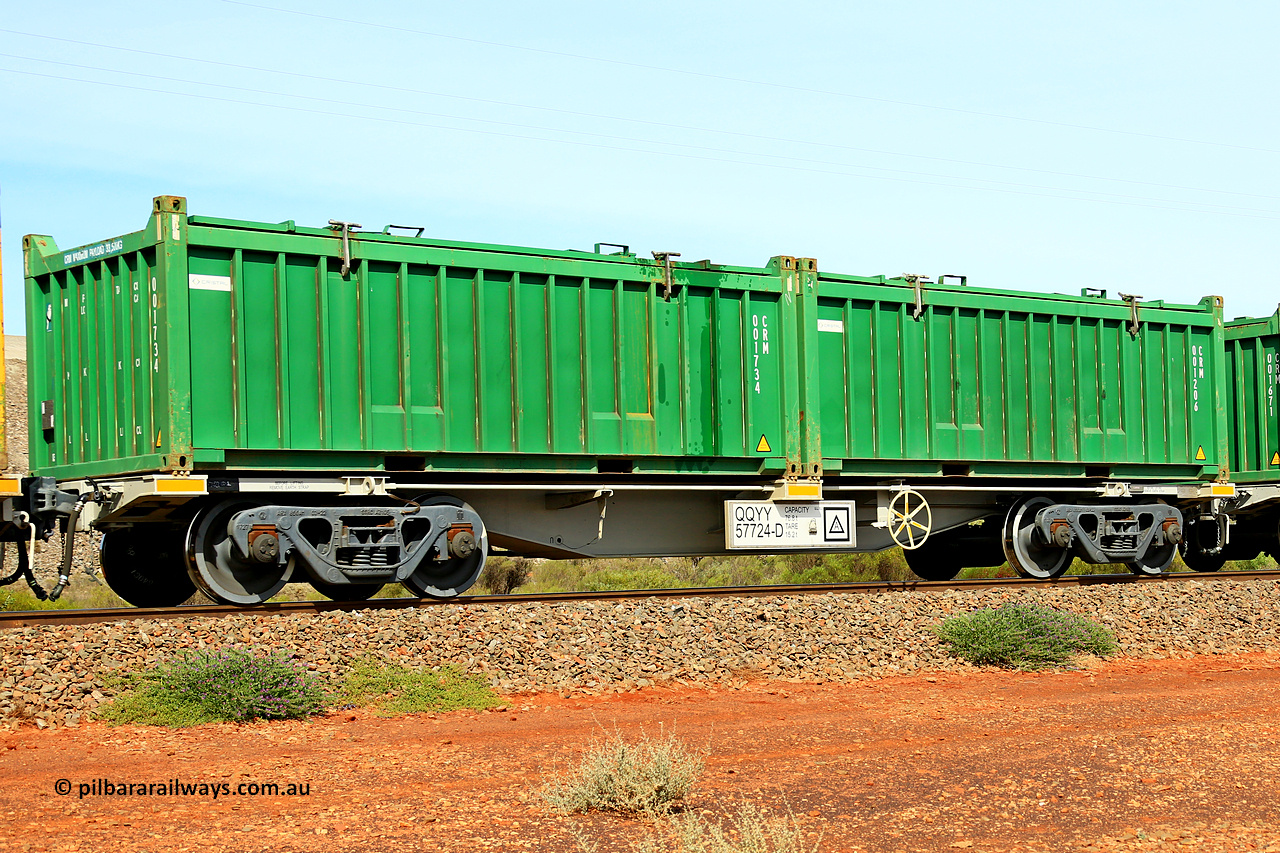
[[1023, 635], [1262, 562], [503, 575], [739, 570], [400, 690], [82, 594], [605, 574], [608, 579], [229, 685], [751, 830], [650, 776]]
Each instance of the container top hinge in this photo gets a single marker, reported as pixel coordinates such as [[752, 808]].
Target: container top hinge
[[345, 228], [917, 283], [667, 283], [1132, 299]]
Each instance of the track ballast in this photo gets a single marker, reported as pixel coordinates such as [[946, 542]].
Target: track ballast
[[31, 618]]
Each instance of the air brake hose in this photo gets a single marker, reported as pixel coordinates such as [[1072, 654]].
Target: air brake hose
[[68, 552], [24, 560], [8, 579]]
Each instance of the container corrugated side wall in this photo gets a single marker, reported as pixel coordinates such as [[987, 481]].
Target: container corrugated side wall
[[1004, 383], [1253, 377], [216, 342], [477, 358], [94, 351]]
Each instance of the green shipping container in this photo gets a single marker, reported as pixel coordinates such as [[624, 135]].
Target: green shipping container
[[207, 344], [1253, 373], [966, 381]]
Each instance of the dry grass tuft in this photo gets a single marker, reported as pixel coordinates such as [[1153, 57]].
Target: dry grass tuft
[[648, 777]]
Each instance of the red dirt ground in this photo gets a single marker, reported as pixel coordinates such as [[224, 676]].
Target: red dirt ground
[[1124, 755]]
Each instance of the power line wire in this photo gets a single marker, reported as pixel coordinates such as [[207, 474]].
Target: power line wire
[[328, 113], [638, 121], [629, 119], [616, 138], [728, 78]]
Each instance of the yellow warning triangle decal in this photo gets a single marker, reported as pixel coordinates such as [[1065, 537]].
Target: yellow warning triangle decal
[[157, 439], [763, 446], [1200, 457], [1275, 458]]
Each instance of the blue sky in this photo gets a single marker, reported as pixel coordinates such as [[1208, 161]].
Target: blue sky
[[1132, 146]]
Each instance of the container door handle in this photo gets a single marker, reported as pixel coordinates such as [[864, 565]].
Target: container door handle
[[387, 230]]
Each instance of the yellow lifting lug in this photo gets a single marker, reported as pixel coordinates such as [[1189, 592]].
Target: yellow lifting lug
[[797, 490]]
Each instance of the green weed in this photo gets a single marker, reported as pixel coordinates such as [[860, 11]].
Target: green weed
[[606, 579], [396, 689], [232, 685], [1026, 636]]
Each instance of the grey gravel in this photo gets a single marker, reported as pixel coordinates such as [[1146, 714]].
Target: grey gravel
[[55, 675]]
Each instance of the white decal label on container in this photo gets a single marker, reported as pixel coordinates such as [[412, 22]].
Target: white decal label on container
[[155, 327], [209, 282], [1273, 373], [831, 326], [1197, 373], [770, 525], [759, 347], [93, 253]]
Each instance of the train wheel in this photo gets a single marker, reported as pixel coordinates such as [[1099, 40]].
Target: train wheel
[[1199, 561], [1022, 547], [449, 578], [933, 570], [144, 566], [932, 563], [218, 570], [1155, 560], [347, 591], [1199, 537]]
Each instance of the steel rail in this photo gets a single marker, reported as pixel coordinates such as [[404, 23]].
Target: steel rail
[[33, 618]]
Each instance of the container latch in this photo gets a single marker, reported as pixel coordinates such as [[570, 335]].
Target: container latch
[[1133, 311], [917, 283], [667, 284], [345, 227]]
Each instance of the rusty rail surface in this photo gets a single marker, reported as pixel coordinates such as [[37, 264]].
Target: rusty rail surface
[[30, 618]]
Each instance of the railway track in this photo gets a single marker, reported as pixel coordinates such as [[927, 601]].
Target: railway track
[[31, 618]]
